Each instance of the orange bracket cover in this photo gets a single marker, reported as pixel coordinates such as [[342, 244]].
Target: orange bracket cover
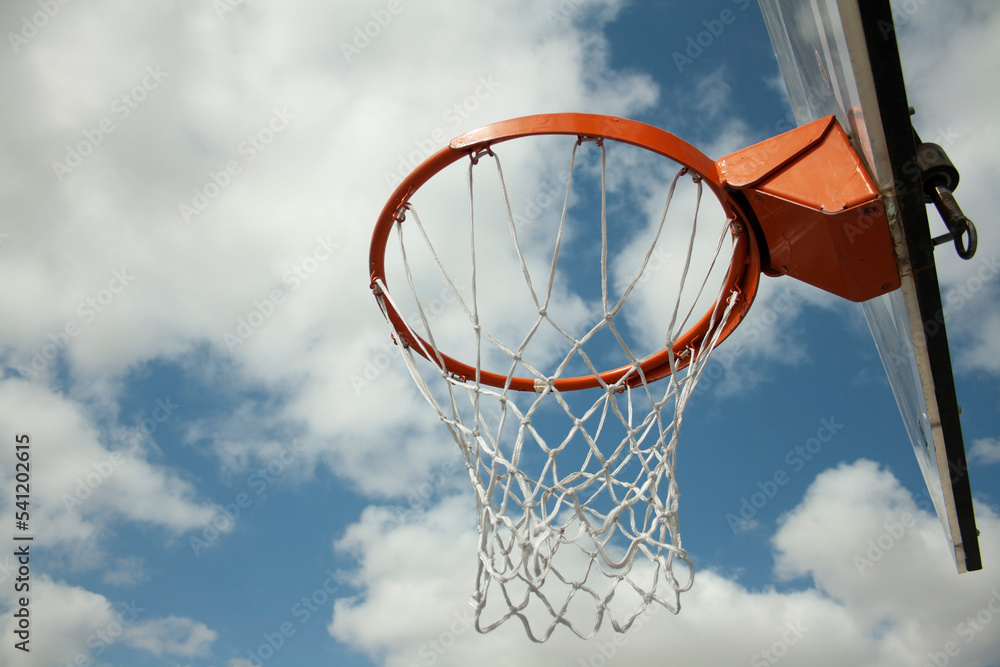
[[820, 213]]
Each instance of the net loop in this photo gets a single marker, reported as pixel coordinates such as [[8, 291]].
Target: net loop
[[476, 155]]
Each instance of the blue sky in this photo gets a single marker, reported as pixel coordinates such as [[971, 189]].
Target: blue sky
[[229, 455]]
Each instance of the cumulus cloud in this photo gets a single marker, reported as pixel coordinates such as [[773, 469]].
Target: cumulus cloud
[[254, 263], [188, 202], [70, 625], [855, 546], [222, 228], [967, 132], [91, 480], [985, 451], [171, 636], [90, 484], [221, 252]]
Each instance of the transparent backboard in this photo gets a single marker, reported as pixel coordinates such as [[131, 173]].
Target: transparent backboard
[[840, 57]]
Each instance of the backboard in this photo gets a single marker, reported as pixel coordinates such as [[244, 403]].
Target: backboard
[[840, 57]]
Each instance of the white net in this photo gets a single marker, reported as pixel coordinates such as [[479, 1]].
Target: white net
[[576, 494]]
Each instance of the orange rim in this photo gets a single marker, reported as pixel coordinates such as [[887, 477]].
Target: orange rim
[[742, 278]]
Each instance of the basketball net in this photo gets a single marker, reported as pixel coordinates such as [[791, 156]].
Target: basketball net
[[561, 545]]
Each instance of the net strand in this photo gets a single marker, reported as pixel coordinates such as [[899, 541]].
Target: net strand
[[549, 540]]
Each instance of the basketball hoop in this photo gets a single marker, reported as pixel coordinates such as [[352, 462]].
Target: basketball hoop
[[619, 501], [741, 280], [562, 517]]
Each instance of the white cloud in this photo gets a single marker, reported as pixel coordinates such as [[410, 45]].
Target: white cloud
[[70, 625], [125, 572], [985, 451], [87, 486], [171, 636], [769, 337], [414, 579], [63, 619], [188, 284], [386, 548], [863, 540], [948, 53], [972, 312], [106, 275], [103, 265], [92, 479], [118, 279]]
